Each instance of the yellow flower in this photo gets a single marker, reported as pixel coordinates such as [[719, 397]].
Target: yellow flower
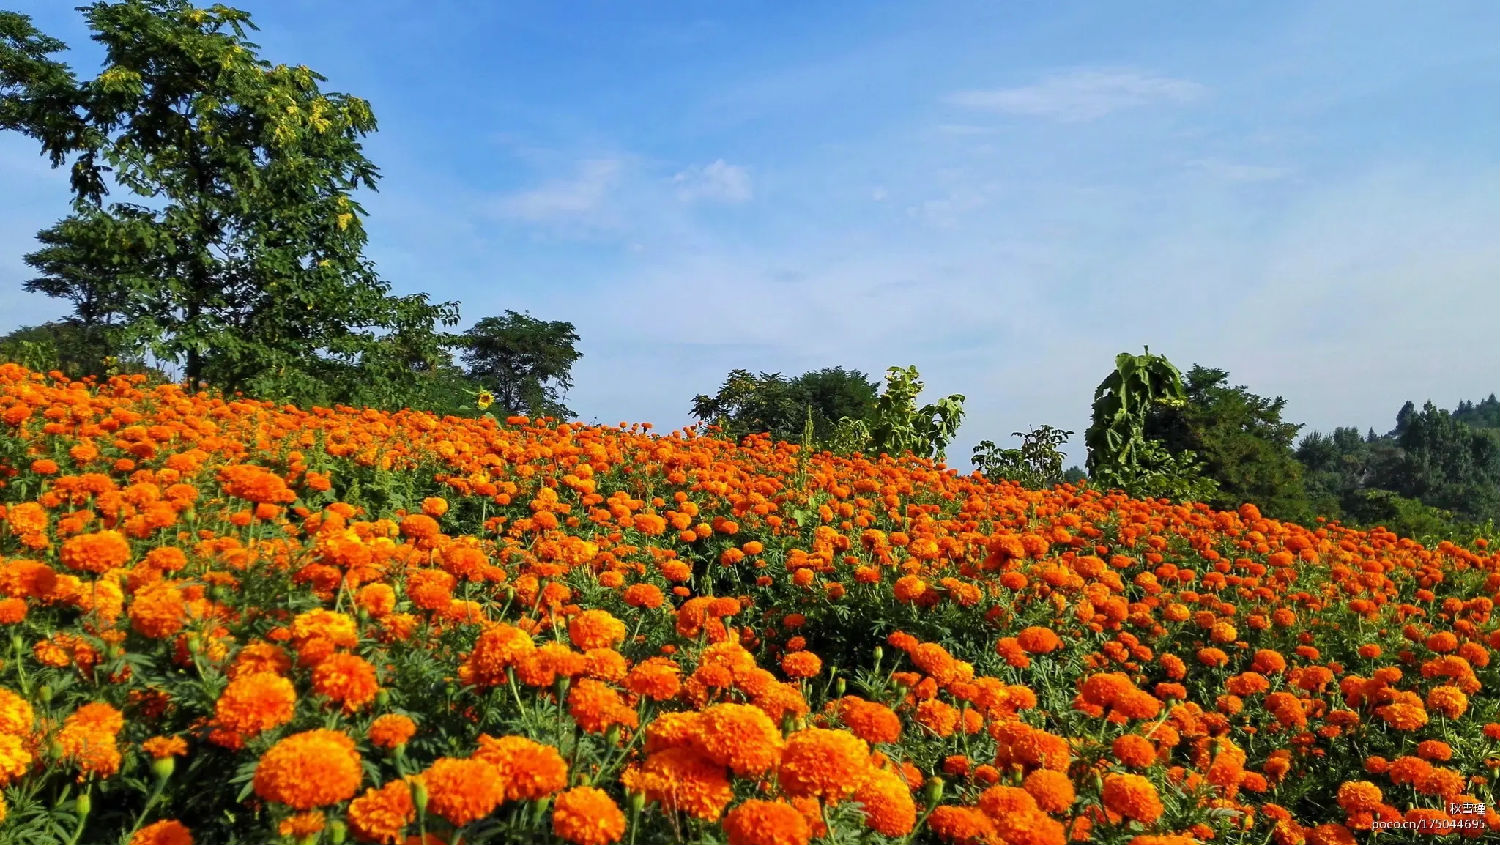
[[486, 399]]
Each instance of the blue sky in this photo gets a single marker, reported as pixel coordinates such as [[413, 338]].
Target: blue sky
[[1004, 194]]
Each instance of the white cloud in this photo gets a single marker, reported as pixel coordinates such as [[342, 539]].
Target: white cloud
[[965, 129], [1238, 172], [716, 182], [879, 194], [1080, 95], [572, 199]]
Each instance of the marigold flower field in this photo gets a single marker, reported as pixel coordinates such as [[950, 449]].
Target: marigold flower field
[[232, 622]]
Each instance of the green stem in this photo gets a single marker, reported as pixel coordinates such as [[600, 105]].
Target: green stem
[[21, 666], [83, 816], [161, 783]]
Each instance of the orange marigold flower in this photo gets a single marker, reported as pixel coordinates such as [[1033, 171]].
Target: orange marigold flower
[[587, 816], [160, 747], [1134, 751], [1039, 640], [801, 664], [12, 611], [1448, 700], [1434, 749], [158, 611], [680, 778], [938, 717], [1000, 801], [1017, 743], [1030, 827], [1052, 790], [26, 518], [345, 679], [497, 649], [822, 763], [391, 730], [530, 770], [380, 815], [165, 832], [255, 484], [250, 705], [302, 824], [98, 552], [887, 803], [310, 769], [870, 721], [656, 678], [420, 526], [1133, 797], [595, 629], [648, 596], [605, 664], [962, 825], [1330, 834], [1403, 716], [15, 759], [260, 657], [1357, 796], [338, 628], [674, 729], [377, 599], [88, 739], [757, 822], [739, 736], [16, 715], [462, 791], [596, 706]]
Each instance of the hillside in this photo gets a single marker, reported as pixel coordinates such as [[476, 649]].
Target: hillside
[[233, 621]]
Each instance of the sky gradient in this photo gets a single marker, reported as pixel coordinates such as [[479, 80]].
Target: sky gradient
[[1006, 195]]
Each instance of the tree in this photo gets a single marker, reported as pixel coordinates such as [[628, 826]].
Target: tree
[[527, 362], [772, 404], [1241, 440], [71, 348], [897, 426], [1120, 455], [834, 393], [1445, 464], [242, 257], [1038, 464], [1482, 415]]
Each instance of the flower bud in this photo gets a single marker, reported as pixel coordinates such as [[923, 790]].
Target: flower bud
[[879, 653], [932, 792], [45, 693], [637, 802], [383, 698], [84, 804], [337, 832], [164, 767], [419, 795], [839, 687]]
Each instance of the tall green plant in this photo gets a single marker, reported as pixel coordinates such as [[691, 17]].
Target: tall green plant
[[1038, 464], [898, 426], [1120, 455]]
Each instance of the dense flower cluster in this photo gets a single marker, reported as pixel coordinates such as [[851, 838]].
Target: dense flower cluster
[[236, 622]]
